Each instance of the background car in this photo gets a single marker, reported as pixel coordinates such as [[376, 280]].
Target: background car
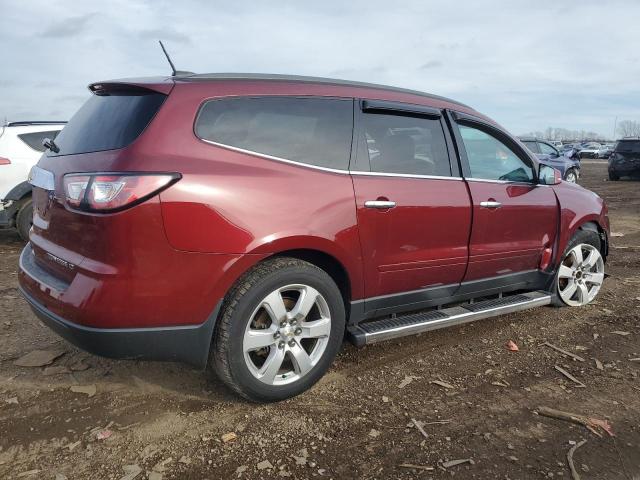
[[20, 149], [568, 163], [589, 150], [604, 151], [625, 159]]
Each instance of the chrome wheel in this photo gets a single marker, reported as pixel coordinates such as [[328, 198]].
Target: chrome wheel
[[581, 275], [571, 177], [287, 334]]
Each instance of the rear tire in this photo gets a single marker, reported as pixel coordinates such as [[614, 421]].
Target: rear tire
[[281, 326], [574, 271], [613, 177], [24, 219]]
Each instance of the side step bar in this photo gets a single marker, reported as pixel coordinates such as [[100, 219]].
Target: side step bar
[[410, 324]]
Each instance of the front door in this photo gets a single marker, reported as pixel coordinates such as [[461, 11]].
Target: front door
[[414, 215], [514, 218]]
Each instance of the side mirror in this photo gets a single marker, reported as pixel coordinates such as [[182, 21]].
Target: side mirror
[[554, 155], [548, 175]]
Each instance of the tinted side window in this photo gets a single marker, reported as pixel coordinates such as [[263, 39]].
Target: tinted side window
[[316, 131], [547, 149], [34, 139], [490, 159], [409, 145]]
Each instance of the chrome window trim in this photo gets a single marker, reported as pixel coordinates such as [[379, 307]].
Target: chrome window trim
[[486, 180], [326, 169], [403, 175], [277, 159]]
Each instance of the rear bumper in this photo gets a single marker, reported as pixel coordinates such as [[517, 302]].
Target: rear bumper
[[624, 169], [186, 344]]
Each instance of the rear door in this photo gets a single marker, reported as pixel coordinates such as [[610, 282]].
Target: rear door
[[414, 211], [514, 218]]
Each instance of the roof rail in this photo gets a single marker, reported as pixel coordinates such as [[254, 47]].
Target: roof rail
[[34, 122], [182, 76]]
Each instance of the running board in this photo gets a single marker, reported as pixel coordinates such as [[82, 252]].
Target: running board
[[410, 324]]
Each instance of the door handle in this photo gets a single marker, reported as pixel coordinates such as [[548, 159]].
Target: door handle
[[490, 204], [379, 204]]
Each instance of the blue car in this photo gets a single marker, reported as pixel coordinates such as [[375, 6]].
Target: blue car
[[568, 162]]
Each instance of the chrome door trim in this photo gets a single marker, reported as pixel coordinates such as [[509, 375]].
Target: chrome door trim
[[402, 175], [379, 204]]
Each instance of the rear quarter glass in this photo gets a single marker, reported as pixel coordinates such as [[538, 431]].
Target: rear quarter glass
[[108, 121], [310, 130]]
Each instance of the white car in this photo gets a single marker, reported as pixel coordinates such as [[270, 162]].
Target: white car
[[590, 150], [20, 149]]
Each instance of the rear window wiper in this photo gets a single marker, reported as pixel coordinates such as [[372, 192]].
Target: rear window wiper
[[50, 144]]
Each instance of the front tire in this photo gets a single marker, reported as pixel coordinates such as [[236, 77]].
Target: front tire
[[571, 176], [581, 271], [24, 219], [613, 177], [280, 329]]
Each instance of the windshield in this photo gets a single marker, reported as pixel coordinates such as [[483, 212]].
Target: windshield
[[108, 121]]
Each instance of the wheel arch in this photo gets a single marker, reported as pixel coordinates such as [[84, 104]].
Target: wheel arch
[[594, 226], [20, 191], [336, 268]]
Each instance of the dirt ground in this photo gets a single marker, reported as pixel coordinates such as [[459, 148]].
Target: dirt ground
[[168, 421]]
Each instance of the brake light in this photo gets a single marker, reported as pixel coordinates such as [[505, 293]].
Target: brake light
[[109, 192], [5, 161]]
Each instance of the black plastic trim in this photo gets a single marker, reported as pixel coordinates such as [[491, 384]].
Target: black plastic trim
[[382, 106], [445, 294], [185, 344]]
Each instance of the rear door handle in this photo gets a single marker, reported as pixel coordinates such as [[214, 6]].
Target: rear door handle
[[490, 204], [379, 204]]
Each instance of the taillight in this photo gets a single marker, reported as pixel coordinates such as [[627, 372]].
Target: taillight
[[5, 161], [109, 192]]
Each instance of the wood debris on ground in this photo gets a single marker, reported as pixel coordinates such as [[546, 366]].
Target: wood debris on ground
[[419, 427], [563, 351], [570, 377], [442, 384], [570, 453], [591, 423], [417, 467], [453, 463]]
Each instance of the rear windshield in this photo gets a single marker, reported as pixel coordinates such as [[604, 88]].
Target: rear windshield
[[34, 139], [628, 146], [108, 121]]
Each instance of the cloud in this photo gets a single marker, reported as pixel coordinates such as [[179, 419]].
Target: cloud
[[164, 34], [431, 64], [70, 27], [524, 64]]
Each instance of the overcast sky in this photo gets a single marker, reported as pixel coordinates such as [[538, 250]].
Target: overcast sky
[[527, 64]]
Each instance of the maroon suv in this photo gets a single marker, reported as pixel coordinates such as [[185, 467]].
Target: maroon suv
[[249, 222]]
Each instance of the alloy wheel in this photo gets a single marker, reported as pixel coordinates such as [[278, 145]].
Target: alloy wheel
[[581, 275], [287, 334], [571, 177]]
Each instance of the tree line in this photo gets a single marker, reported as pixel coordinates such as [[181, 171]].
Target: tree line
[[625, 128]]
